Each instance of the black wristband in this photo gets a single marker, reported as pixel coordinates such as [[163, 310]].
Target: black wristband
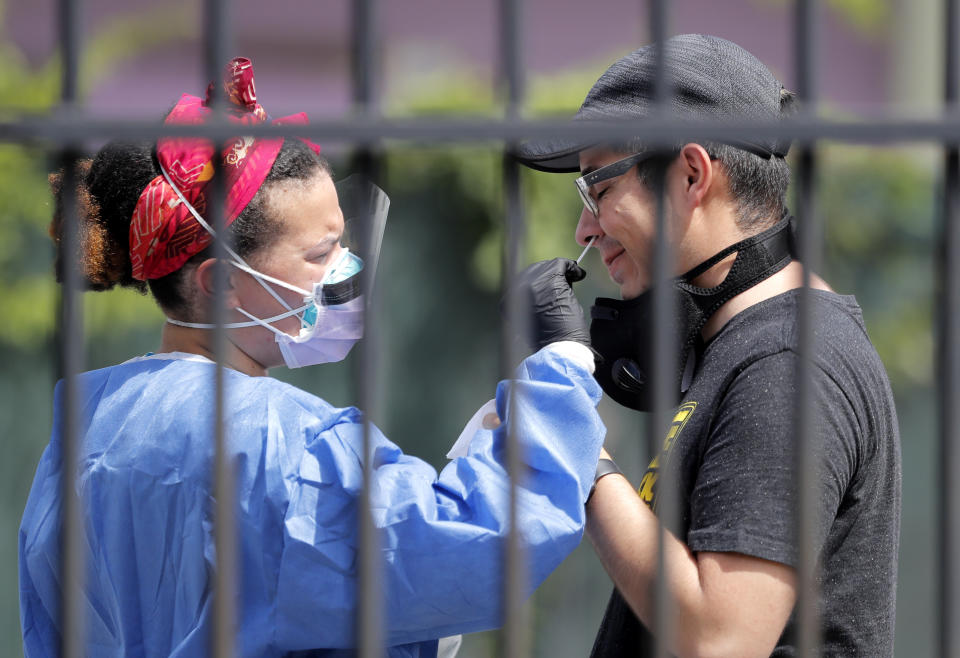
[[604, 467]]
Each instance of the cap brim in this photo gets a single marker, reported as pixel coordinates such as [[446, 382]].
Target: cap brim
[[552, 156]]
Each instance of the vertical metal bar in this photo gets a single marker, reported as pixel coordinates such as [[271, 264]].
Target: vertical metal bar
[[659, 26], [808, 623], [949, 363], [515, 634], [68, 25], [370, 616], [807, 481], [514, 637], [511, 31], [664, 348], [225, 537], [364, 44], [664, 352], [72, 547]]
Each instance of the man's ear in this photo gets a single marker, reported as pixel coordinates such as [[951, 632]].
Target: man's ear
[[203, 278], [697, 172]]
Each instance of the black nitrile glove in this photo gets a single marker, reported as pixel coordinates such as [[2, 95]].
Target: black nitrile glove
[[546, 289]]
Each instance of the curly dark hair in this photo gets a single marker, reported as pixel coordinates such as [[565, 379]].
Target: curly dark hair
[[108, 187]]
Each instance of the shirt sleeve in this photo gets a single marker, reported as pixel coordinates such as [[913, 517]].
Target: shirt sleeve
[[744, 496], [442, 537]]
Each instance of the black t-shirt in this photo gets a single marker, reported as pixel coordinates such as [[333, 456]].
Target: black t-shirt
[[730, 451]]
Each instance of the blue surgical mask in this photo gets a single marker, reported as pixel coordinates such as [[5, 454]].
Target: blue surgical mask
[[347, 268]]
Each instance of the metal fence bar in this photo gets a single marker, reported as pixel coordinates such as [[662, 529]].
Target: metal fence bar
[[663, 340], [216, 55], [808, 624], [68, 26], [515, 637], [663, 346], [805, 436], [660, 131], [656, 132], [370, 616], [948, 371], [71, 343], [363, 67], [223, 640]]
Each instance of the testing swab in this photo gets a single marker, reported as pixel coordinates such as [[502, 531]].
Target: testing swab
[[585, 249]]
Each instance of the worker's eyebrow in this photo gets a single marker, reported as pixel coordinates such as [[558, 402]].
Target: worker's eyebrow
[[329, 240]]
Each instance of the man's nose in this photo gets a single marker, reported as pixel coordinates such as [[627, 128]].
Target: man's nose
[[587, 227]]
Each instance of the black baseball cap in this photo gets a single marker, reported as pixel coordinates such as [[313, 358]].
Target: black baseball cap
[[710, 78]]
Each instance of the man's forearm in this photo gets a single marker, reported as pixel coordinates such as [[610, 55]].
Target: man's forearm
[[715, 612], [624, 531]]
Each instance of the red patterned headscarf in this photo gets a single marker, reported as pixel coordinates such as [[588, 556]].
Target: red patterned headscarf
[[163, 232]]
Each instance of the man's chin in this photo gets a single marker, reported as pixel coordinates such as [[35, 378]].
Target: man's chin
[[626, 278], [631, 290]]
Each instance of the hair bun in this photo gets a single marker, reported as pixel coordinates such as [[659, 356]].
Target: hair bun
[[103, 263]]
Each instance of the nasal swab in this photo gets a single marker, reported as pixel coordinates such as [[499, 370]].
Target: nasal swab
[[585, 249]]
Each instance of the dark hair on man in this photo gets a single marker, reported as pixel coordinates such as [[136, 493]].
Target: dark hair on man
[[108, 188], [757, 184]]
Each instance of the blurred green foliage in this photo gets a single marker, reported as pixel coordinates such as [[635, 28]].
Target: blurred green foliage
[[31, 292], [35, 89], [879, 207]]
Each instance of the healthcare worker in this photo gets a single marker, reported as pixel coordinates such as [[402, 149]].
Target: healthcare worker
[[294, 297]]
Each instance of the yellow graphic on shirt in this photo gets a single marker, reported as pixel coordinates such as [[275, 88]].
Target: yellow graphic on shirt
[[648, 485]]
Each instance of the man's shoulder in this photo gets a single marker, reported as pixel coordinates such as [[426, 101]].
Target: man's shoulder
[[760, 354], [774, 325], [765, 341]]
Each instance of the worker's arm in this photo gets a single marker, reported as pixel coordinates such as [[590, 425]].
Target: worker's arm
[[725, 604]]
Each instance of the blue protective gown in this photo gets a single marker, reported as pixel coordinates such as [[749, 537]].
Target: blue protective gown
[[145, 476]]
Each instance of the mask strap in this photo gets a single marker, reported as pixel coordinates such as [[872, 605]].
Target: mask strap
[[266, 277], [226, 246], [255, 321], [739, 246], [264, 323], [758, 258]]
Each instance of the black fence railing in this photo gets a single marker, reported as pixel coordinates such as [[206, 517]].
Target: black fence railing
[[68, 127]]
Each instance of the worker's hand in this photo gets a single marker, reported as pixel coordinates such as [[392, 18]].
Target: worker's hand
[[546, 289]]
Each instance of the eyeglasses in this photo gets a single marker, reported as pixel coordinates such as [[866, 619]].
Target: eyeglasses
[[612, 170]]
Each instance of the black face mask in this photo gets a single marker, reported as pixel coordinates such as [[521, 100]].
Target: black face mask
[[621, 331]]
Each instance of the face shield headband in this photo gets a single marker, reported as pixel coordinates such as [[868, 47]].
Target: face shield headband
[[331, 316]]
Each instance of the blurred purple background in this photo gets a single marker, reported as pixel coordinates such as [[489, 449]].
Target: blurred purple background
[[301, 50]]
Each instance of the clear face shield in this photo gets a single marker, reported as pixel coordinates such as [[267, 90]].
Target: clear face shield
[[332, 314], [365, 207], [333, 318]]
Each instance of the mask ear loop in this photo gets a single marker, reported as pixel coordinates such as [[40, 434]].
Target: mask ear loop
[[239, 261], [264, 323], [266, 277], [240, 325]]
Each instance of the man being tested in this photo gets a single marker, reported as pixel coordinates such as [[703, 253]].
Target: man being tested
[[729, 451]]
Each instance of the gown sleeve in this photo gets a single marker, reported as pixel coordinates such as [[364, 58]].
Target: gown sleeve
[[442, 537]]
